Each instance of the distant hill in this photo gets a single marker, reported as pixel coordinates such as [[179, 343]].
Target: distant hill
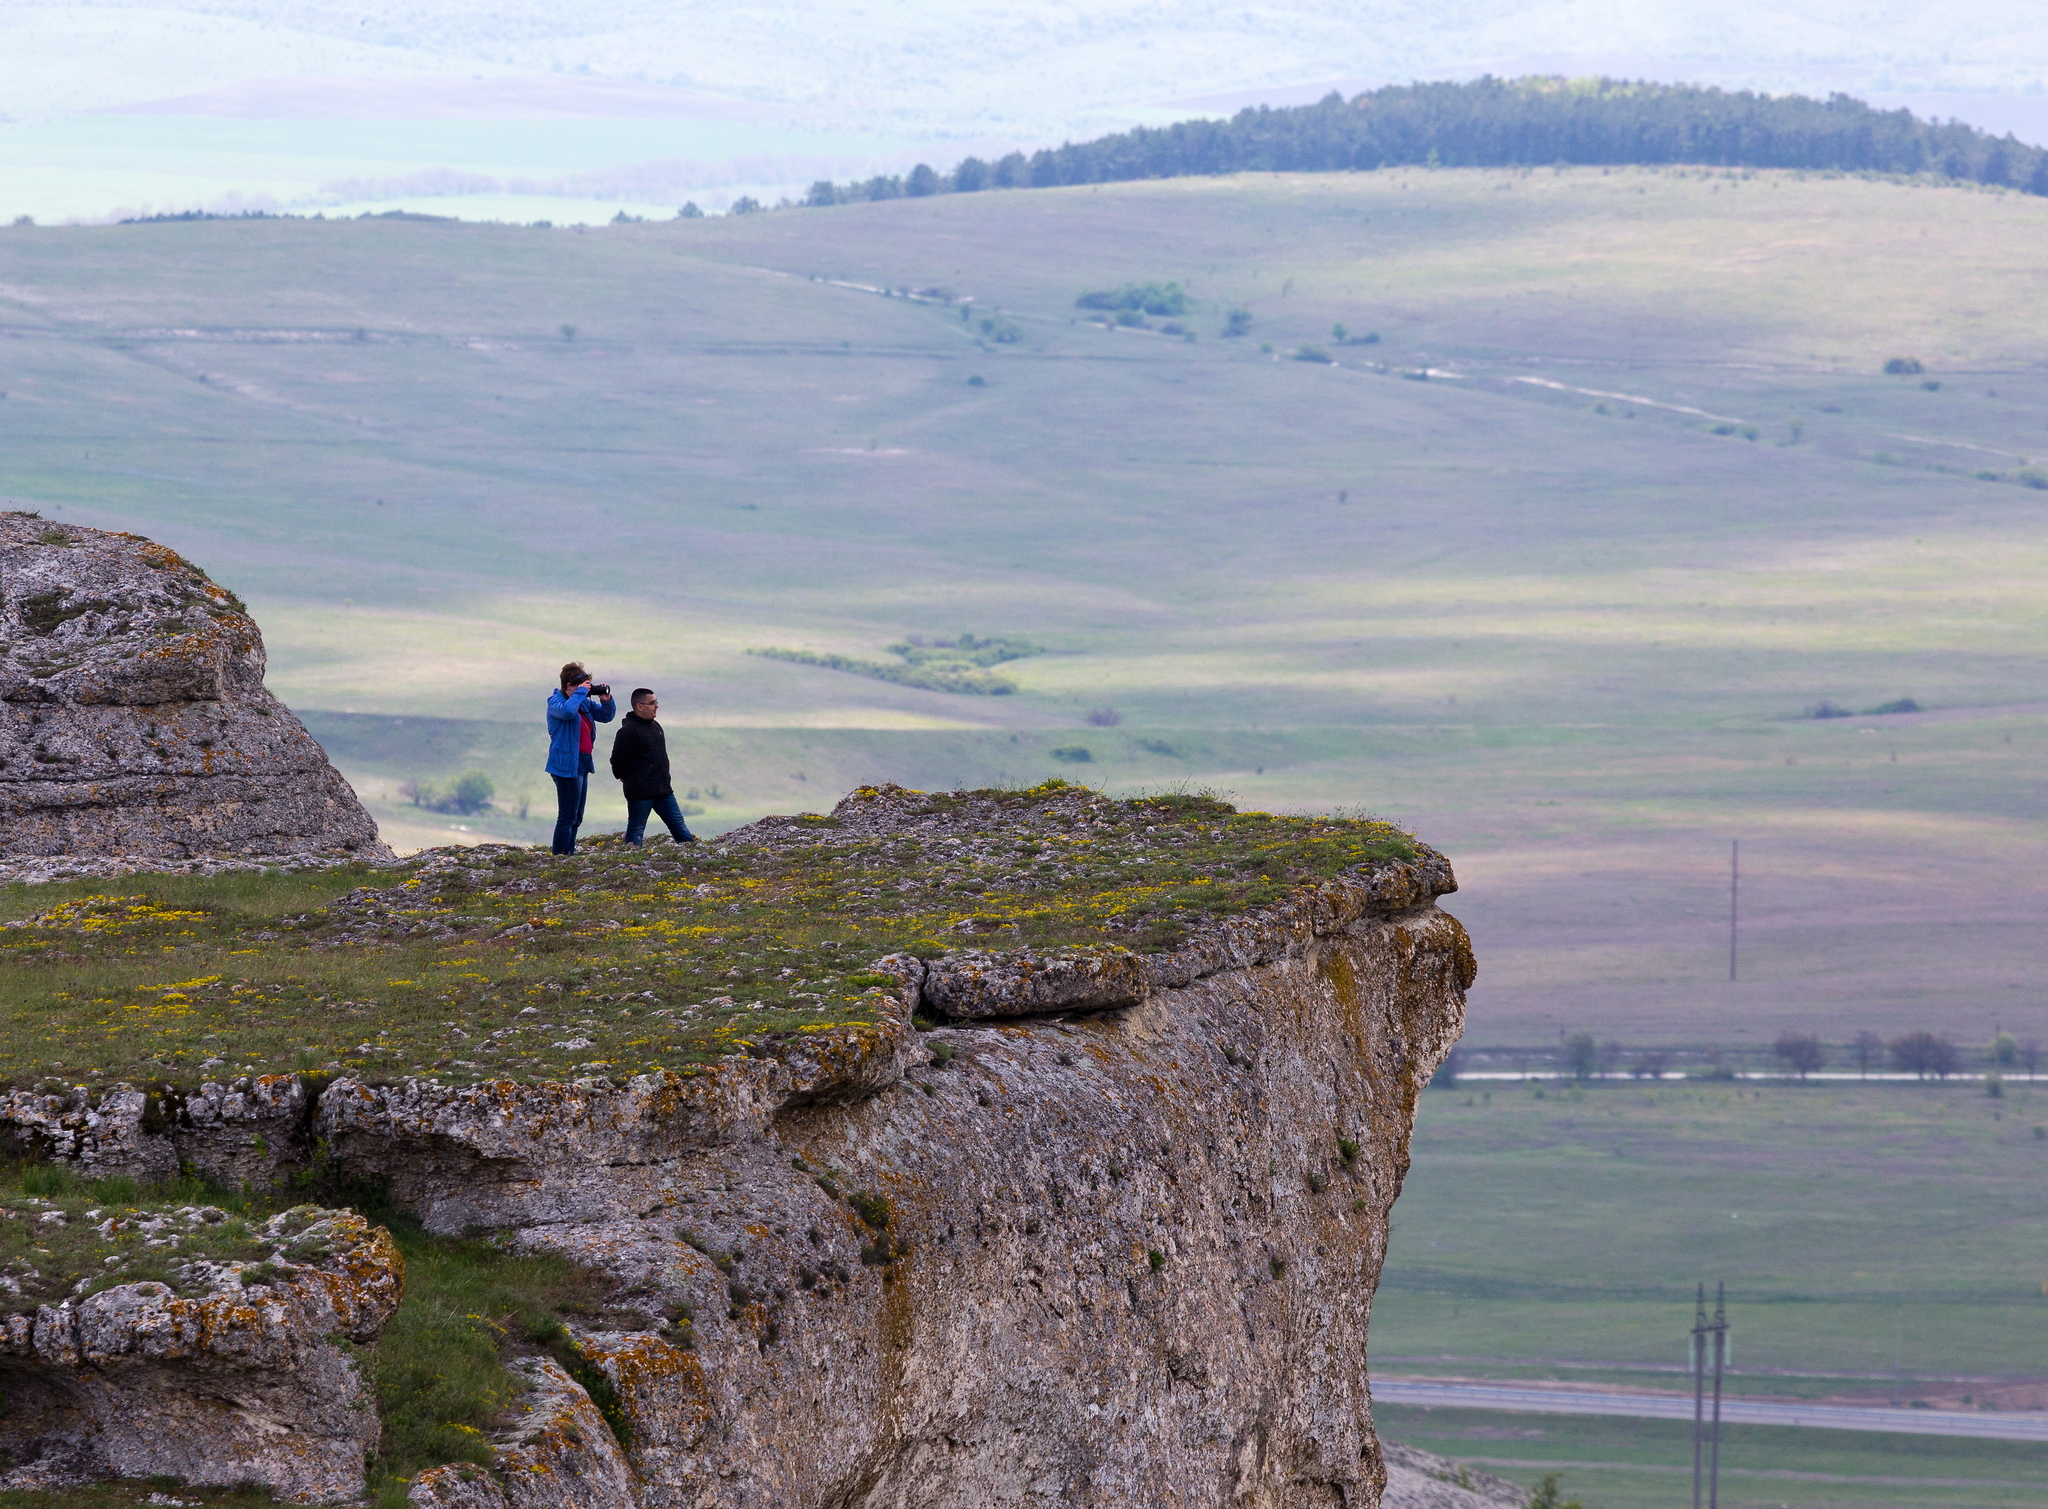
[[1491, 123]]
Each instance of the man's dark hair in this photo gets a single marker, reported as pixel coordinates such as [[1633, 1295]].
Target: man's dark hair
[[642, 691], [573, 673]]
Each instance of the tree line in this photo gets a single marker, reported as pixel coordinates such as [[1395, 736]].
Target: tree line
[[1926, 1055], [1494, 123]]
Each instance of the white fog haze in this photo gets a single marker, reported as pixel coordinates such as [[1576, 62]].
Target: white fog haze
[[532, 110]]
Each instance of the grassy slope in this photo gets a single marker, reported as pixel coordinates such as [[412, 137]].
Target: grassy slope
[[1569, 645]]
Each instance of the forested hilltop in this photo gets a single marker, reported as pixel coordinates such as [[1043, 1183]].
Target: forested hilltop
[[1492, 123]]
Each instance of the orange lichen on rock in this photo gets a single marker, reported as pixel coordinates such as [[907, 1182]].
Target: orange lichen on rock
[[249, 1380]]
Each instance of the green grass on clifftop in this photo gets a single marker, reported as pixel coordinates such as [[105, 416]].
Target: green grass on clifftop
[[501, 963]]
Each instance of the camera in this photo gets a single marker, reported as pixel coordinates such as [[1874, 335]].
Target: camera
[[601, 689]]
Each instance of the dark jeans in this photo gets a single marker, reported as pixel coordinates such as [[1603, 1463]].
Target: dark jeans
[[570, 791], [639, 808]]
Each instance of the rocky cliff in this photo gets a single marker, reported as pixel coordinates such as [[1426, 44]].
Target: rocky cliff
[[133, 717], [230, 1366], [1088, 1220]]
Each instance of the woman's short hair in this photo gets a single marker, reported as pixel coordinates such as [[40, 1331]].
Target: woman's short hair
[[573, 673]]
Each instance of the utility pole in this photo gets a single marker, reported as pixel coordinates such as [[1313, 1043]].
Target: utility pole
[[1720, 1356], [1699, 1388], [1734, 888], [1706, 1430]]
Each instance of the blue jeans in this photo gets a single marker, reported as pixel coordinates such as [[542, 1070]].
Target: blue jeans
[[639, 809], [570, 792]]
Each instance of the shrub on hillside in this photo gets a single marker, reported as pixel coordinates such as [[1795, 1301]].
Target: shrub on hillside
[[1903, 366], [472, 792], [1163, 299]]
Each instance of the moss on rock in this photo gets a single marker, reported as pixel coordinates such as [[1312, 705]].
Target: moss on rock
[[497, 963]]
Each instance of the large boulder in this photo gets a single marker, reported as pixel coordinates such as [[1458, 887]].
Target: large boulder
[[133, 717]]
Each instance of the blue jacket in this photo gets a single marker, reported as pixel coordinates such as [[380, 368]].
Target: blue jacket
[[566, 712]]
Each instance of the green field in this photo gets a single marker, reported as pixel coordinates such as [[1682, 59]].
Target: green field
[[1873, 1238], [1568, 637], [1647, 1464], [1846, 1220]]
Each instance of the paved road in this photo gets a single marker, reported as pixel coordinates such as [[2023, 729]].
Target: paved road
[[1984, 1424]]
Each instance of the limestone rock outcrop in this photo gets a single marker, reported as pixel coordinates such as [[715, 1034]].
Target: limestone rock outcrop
[[1108, 1260], [133, 717], [1095, 1237], [243, 1377]]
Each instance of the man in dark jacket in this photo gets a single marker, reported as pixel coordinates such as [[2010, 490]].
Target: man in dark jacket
[[640, 761]]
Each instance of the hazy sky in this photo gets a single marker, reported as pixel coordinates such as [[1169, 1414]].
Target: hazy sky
[[802, 87]]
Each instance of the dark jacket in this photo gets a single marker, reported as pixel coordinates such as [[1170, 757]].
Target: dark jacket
[[640, 758]]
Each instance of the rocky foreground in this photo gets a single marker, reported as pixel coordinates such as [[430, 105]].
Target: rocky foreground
[[1081, 1200]]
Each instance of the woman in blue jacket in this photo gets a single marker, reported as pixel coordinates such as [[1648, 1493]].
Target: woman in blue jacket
[[574, 711]]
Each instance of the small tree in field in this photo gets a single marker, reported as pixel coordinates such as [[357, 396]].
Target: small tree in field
[[1581, 1055], [1922, 1053], [1547, 1496], [471, 793], [1801, 1051], [1610, 1057], [2030, 1050], [1868, 1049]]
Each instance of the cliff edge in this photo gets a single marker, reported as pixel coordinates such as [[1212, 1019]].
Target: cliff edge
[[972, 1148]]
